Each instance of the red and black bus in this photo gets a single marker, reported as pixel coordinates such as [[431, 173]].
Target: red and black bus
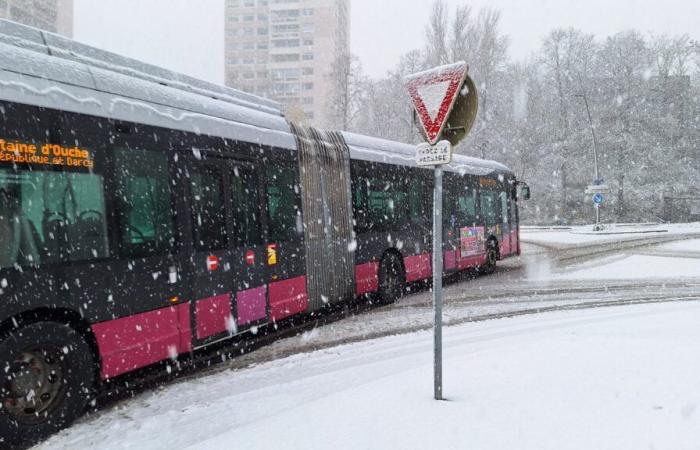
[[145, 215]]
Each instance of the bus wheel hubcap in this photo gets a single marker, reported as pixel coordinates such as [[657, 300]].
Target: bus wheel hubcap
[[32, 385]]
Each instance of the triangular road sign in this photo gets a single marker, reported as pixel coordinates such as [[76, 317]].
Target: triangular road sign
[[434, 93]]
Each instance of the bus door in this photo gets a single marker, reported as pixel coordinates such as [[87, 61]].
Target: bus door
[[490, 212], [515, 220], [148, 267], [228, 288], [450, 220], [506, 238], [285, 254], [471, 233], [147, 316]]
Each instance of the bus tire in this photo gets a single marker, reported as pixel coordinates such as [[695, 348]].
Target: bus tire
[[46, 381], [489, 266], [392, 279]]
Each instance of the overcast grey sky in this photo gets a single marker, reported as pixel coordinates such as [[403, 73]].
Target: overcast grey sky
[[187, 35]]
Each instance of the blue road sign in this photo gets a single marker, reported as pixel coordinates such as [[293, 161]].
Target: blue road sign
[[598, 199]]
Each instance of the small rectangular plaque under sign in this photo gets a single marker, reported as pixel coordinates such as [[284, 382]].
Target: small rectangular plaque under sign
[[598, 189], [434, 155]]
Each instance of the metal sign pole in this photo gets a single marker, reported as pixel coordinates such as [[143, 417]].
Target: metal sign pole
[[437, 281], [457, 106]]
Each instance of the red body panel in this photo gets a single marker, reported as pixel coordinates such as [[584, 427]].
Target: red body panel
[[471, 261], [251, 305], [417, 267], [212, 315], [137, 341], [185, 328], [288, 297], [504, 247], [367, 278], [450, 260]]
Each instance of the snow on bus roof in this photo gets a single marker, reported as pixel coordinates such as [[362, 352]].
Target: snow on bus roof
[[58, 46], [382, 150], [48, 70]]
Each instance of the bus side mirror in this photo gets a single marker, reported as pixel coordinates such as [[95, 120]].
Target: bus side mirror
[[525, 192]]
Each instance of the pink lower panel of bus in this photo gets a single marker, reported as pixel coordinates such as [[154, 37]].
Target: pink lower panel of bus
[[367, 278], [137, 341], [288, 297], [417, 267], [504, 246], [509, 246], [471, 261], [450, 260], [213, 315], [251, 305]]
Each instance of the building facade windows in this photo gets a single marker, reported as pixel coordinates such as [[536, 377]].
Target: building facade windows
[[55, 16], [285, 49]]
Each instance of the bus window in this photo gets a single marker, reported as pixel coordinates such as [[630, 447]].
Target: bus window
[[449, 202], [466, 206], [283, 204], [246, 206], [504, 210], [387, 205], [208, 209], [360, 187], [143, 203], [51, 217], [489, 207], [420, 199]]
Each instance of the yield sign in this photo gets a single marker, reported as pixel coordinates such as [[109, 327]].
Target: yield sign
[[434, 93]]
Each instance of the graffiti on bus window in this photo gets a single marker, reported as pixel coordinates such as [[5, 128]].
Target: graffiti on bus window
[[471, 241]]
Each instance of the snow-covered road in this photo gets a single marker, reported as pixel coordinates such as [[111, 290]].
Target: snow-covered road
[[611, 378], [225, 397]]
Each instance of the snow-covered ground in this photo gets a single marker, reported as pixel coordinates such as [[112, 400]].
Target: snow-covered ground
[[584, 236], [683, 246], [628, 255], [537, 381], [611, 378], [634, 267]]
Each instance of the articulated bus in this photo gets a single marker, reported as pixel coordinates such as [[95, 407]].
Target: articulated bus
[[145, 215]]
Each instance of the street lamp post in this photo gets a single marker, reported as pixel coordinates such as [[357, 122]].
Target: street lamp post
[[595, 155]]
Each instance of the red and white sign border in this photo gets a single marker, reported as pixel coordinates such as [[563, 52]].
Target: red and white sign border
[[456, 74]]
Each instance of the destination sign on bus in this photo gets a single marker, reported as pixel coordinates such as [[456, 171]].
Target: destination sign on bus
[[19, 152], [488, 182]]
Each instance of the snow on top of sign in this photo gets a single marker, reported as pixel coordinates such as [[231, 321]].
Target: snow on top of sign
[[436, 71]]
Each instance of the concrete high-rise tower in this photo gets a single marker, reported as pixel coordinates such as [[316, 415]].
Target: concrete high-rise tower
[[284, 50], [50, 15]]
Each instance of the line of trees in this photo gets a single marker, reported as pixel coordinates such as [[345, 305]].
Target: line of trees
[[642, 93]]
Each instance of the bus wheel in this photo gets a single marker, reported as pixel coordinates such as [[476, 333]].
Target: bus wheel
[[491, 257], [46, 381], [391, 279]]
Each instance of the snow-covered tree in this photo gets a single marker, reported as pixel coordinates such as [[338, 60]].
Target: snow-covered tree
[[634, 98]]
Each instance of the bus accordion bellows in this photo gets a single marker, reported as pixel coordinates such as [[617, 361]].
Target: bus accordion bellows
[[145, 214]]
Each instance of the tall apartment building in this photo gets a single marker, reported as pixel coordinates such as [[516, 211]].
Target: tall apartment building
[[284, 50], [50, 15]]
